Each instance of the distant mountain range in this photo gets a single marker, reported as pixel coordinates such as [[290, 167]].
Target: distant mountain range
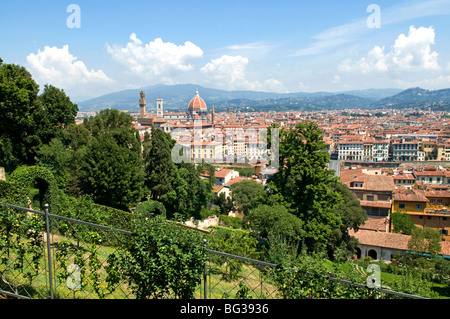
[[177, 97]]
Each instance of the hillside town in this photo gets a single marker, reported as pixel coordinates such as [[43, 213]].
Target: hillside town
[[391, 160]]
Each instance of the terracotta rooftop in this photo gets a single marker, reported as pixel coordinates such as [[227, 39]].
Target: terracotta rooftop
[[381, 239], [222, 173], [371, 181], [409, 195], [381, 204], [374, 224], [390, 240]]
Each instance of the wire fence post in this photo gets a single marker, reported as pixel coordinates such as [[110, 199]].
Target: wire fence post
[[205, 275], [49, 256]]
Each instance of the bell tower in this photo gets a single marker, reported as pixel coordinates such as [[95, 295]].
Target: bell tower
[[142, 104], [159, 108]]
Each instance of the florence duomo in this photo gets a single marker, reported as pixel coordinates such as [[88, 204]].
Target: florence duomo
[[197, 110]]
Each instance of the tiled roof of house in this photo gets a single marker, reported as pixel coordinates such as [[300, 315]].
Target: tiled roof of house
[[390, 240], [381, 204], [381, 239], [374, 224], [409, 195], [371, 181], [435, 193], [223, 172]]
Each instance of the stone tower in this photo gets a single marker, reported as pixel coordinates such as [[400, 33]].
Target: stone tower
[[159, 108], [142, 104], [212, 115]]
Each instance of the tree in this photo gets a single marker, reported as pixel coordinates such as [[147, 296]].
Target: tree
[[302, 183], [57, 113], [162, 258], [150, 208], [425, 240], [402, 223], [193, 193], [225, 203], [146, 147], [18, 108], [247, 194], [160, 171], [29, 120], [112, 174], [57, 158], [276, 220], [110, 164]]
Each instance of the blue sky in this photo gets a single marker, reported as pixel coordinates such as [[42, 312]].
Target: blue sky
[[278, 46]]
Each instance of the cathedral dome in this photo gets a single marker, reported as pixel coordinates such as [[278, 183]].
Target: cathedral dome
[[197, 104]]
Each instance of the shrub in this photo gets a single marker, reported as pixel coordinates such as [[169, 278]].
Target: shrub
[[161, 259]]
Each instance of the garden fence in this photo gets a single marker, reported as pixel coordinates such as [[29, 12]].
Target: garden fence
[[47, 256]]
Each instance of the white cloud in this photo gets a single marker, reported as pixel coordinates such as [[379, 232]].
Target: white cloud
[[329, 39], [157, 59], [248, 46], [410, 52], [228, 72], [58, 67]]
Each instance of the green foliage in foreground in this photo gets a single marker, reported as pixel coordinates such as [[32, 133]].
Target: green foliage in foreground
[[162, 259]]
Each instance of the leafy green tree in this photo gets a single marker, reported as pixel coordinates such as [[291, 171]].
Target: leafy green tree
[[57, 158], [18, 108], [29, 120], [425, 240], [193, 192], [178, 186], [302, 183], [57, 113], [247, 194], [233, 241], [160, 171], [146, 147], [112, 174], [150, 208], [276, 220], [224, 203], [402, 223], [160, 260], [109, 165]]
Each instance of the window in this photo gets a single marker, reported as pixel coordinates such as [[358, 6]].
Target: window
[[401, 206], [432, 201], [444, 232], [428, 217], [420, 217], [419, 206], [370, 197], [439, 201]]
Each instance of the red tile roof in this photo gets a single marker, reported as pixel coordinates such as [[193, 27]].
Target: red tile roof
[[381, 239], [409, 195], [223, 172], [371, 182]]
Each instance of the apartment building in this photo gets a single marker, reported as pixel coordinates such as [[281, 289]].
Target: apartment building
[[351, 150], [406, 180], [425, 208], [372, 188], [405, 149], [204, 151]]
